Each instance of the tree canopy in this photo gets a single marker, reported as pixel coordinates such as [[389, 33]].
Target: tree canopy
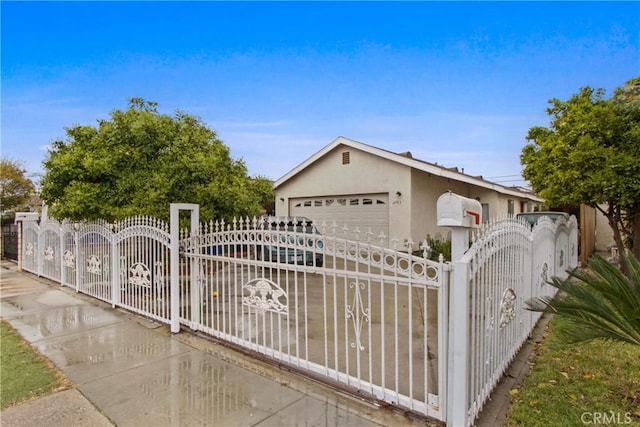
[[15, 188], [590, 154], [139, 161]]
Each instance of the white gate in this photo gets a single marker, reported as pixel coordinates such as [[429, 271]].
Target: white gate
[[372, 319], [95, 260], [142, 247], [507, 265], [353, 313]]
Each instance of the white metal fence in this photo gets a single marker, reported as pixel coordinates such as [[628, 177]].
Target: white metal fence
[[351, 312], [125, 264], [372, 319], [507, 265]]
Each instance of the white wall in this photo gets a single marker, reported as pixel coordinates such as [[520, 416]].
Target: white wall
[[364, 174], [411, 215]]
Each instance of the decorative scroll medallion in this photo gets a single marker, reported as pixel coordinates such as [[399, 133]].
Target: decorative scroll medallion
[[265, 295], [94, 266], [139, 275], [28, 249], [507, 307], [544, 275], [69, 260], [48, 254], [159, 279], [357, 313]]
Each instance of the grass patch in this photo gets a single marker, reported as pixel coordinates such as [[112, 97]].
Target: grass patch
[[569, 385], [24, 373]]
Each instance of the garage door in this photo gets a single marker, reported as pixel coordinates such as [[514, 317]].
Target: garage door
[[366, 211]]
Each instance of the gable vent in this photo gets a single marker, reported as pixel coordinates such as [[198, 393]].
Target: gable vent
[[345, 158]]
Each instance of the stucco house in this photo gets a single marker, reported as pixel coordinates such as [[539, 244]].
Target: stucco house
[[356, 184]]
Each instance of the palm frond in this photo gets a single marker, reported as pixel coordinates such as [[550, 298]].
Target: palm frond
[[600, 302]]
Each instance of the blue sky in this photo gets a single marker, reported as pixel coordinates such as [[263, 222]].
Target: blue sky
[[457, 83]]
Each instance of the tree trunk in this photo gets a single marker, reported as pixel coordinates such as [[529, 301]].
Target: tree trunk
[[614, 219]]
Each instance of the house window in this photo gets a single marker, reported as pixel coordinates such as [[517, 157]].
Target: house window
[[342, 202], [345, 158], [367, 201], [485, 213], [317, 203], [511, 207], [354, 202], [307, 203]]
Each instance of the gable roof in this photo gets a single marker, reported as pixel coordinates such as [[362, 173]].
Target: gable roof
[[407, 159]]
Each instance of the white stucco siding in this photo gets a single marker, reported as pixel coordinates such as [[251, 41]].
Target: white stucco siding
[[347, 170], [426, 189], [364, 174]]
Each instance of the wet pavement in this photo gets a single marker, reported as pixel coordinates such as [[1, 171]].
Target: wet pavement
[[129, 371]]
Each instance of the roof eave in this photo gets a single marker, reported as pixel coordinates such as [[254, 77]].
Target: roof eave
[[407, 161]]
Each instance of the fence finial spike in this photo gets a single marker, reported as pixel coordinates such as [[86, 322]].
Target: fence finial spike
[[369, 235], [409, 244], [323, 227]]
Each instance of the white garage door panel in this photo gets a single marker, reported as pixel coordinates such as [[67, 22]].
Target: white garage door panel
[[366, 211]]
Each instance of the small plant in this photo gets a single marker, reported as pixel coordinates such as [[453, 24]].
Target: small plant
[[599, 301], [435, 247]]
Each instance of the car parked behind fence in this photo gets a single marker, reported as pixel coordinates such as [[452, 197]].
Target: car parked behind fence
[[533, 217], [290, 240]]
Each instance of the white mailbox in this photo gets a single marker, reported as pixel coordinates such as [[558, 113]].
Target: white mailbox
[[457, 211], [26, 216]]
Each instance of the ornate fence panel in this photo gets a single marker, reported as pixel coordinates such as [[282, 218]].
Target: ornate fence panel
[[125, 264], [354, 313], [95, 260], [69, 254], [544, 263], [30, 248], [142, 247], [49, 244], [507, 266], [500, 272]]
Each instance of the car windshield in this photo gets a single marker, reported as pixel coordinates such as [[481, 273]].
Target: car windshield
[[533, 217]]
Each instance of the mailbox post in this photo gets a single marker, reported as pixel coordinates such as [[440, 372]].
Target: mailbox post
[[461, 214]]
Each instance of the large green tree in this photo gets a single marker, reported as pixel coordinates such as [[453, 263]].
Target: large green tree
[[138, 162], [590, 154], [16, 188]]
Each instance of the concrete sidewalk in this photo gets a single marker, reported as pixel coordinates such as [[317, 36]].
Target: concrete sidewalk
[[129, 371]]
